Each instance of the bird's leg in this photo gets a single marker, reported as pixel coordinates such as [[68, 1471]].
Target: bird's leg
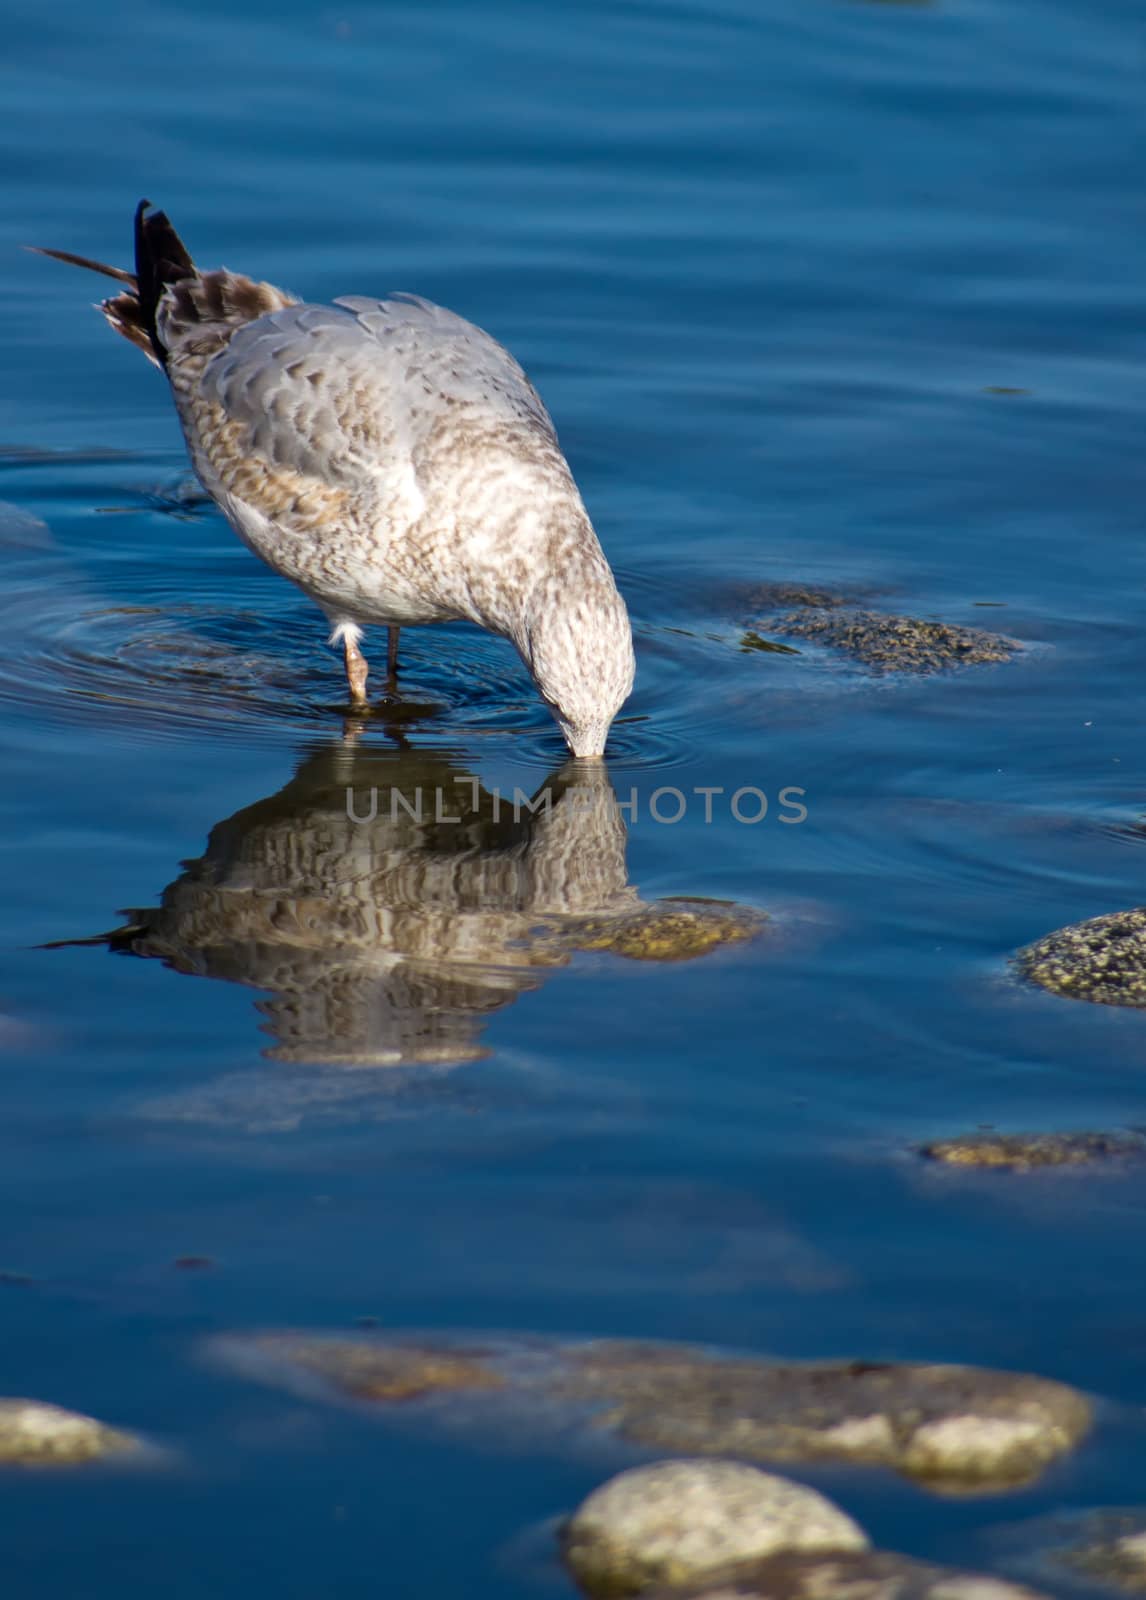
[[392, 654], [356, 670]]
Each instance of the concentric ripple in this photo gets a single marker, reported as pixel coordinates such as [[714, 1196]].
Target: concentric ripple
[[159, 665], [164, 664], [157, 620], [161, 623], [175, 656]]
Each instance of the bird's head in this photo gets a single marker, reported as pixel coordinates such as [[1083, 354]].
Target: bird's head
[[579, 648]]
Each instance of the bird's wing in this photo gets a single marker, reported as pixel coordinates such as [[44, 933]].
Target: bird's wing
[[352, 396], [451, 360]]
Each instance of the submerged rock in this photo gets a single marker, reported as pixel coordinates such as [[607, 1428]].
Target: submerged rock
[[1119, 1560], [33, 1433], [298, 1096], [1107, 1547], [368, 1370], [18, 1035], [862, 1575], [772, 597], [1095, 1550], [1020, 1152], [1102, 960], [675, 1520], [887, 643], [955, 1428], [20, 528]]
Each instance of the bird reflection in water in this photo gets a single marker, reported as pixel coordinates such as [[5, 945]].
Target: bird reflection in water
[[387, 923]]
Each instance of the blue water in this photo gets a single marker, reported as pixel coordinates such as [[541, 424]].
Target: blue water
[[770, 265]]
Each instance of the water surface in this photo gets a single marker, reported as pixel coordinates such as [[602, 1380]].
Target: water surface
[[845, 295]]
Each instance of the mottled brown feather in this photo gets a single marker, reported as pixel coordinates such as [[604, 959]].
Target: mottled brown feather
[[124, 314], [216, 301]]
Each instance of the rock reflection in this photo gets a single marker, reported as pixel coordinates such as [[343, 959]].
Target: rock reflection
[[389, 903]]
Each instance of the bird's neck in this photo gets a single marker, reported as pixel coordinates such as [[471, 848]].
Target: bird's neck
[[574, 636]]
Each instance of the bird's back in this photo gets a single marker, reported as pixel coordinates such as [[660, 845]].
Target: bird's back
[[386, 431], [348, 392]]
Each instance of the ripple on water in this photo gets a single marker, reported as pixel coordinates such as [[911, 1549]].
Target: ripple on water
[[194, 635], [636, 744], [174, 658], [1127, 827], [175, 629], [158, 667]]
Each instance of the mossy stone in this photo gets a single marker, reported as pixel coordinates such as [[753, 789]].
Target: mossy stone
[[1102, 960], [670, 930]]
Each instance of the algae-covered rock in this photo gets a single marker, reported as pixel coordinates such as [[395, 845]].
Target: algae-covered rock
[[956, 1428], [33, 1433], [888, 644], [1102, 960], [859, 1575], [675, 1520], [669, 930], [1021, 1152]]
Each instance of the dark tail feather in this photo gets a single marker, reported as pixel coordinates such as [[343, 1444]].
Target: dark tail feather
[[166, 275], [117, 939], [160, 259]]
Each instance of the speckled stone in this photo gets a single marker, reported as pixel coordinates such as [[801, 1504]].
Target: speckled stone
[[1020, 1152], [1102, 960], [891, 644], [33, 1433], [861, 1575], [674, 1520]]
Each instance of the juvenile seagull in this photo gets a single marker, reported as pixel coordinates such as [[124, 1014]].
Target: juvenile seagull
[[389, 458]]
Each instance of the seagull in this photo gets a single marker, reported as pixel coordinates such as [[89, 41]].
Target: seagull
[[389, 458]]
